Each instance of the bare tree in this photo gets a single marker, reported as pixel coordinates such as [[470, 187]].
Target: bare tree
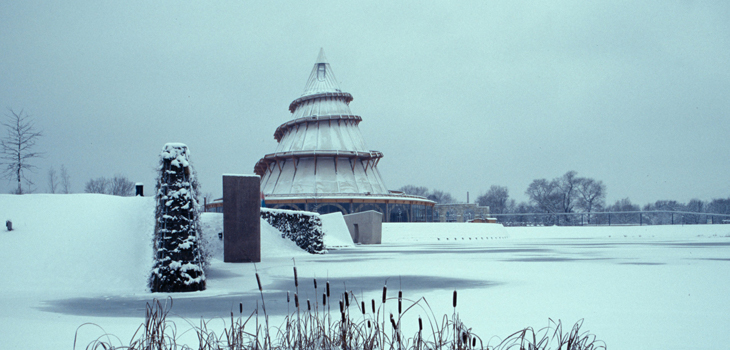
[[441, 197], [98, 185], [567, 193], [52, 180], [65, 180], [17, 147], [719, 206], [414, 190], [497, 199], [545, 195], [591, 195], [120, 185], [568, 190], [663, 205], [697, 206]]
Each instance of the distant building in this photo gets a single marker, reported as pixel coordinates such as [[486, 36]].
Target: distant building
[[461, 212], [321, 163]]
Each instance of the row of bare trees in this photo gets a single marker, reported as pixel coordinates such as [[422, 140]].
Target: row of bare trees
[[565, 194], [574, 200], [17, 152], [59, 183], [586, 198], [119, 185]]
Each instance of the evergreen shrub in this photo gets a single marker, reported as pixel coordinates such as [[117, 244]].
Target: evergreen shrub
[[303, 228], [179, 257]]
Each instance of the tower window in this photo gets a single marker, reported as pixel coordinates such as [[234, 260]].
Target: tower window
[[321, 70]]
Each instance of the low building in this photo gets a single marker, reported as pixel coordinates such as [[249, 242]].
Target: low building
[[461, 212]]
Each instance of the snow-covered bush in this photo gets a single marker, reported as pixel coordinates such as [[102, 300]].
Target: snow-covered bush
[[304, 228], [179, 256]]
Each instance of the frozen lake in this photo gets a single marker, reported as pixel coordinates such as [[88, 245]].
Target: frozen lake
[[662, 287]]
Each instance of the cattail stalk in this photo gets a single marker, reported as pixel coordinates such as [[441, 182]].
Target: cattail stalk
[[315, 296], [454, 321], [400, 301]]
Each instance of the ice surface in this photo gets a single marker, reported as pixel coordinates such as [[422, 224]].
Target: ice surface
[[85, 258], [441, 232]]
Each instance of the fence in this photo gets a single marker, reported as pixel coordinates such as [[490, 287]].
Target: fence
[[659, 217]]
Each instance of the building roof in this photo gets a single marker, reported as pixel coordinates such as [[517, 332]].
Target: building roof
[[320, 150]]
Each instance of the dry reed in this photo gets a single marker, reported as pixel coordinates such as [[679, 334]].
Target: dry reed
[[312, 330]]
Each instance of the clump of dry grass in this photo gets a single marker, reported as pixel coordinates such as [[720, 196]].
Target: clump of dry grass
[[312, 326]]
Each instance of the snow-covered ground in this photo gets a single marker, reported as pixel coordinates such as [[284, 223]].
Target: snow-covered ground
[[74, 259]]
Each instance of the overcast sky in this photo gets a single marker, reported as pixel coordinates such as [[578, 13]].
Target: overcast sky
[[457, 97]]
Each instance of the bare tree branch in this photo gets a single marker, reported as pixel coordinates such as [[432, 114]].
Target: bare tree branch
[[16, 148], [52, 180], [65, 180]]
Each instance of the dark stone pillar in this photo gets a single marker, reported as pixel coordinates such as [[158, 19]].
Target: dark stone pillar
[[241, 218]]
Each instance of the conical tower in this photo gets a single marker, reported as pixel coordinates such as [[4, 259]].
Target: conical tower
[[321, 162]]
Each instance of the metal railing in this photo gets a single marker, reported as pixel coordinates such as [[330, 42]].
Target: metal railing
[[654, 217]]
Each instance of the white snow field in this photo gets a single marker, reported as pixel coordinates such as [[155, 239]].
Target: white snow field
[[81, 258]]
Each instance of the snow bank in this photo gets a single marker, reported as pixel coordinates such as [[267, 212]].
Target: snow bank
[[336, 233], [441, 232], [272, 245], [77, 242]]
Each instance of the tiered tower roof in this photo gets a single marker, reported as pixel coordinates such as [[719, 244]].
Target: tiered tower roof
[[321, 151]]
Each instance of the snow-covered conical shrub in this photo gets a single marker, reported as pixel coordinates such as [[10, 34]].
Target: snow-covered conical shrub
[[179, 259]]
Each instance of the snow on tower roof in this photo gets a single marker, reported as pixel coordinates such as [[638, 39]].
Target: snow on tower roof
[[322, 79]]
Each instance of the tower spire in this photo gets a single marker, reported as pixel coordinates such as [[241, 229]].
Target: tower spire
[[321, 57], [322, 79]]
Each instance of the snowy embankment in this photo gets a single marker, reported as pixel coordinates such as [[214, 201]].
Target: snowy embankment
[[86, 258], [77, 243], [94, 243]]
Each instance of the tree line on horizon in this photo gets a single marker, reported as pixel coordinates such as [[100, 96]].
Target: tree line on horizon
[[572, 194]]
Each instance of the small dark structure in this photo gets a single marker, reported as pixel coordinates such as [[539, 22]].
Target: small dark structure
[[241, 218]]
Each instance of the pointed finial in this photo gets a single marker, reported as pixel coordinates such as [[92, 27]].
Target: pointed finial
[[321, 58]]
